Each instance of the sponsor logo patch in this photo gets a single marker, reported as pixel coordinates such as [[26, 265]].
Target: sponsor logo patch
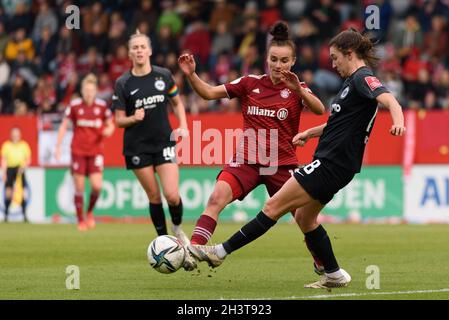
[[373, 83]]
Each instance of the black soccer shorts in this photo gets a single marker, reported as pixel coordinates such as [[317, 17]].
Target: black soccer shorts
[[11, 176], [166, 155], [322, 179]]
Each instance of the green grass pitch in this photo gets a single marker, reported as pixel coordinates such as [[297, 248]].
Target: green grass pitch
[[413, 261]]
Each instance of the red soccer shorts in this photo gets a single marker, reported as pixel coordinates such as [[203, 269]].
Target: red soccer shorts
[[249, 177], [86, 165]]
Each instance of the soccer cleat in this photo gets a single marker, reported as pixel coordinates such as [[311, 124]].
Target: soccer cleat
[[327, 282], [206, 253], [177, 231], [319, 270], [82, 226], [190, 262], [90, 221]]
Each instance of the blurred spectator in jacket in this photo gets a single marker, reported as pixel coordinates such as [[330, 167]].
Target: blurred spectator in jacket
[[19, 42]]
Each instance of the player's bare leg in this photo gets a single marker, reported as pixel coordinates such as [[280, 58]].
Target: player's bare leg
[[169, 175], [220, 197], [79, 180], [147, 179], [318, 267], [96, 181], [289, 197]]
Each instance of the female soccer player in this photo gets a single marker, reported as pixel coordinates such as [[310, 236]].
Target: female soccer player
[[141, 100], [16, 157], [337, 159], [269, 101], [91, 121]]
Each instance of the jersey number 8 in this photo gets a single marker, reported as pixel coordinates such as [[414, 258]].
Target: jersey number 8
[[312, 166]]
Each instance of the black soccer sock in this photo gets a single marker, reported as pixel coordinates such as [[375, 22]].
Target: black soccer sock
[[176, 213], [249, 232], [24, 207], [320, 244], [158, 218], [7, 204]]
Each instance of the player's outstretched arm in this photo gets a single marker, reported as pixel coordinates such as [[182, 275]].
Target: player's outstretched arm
[[302, 137], [390, 102], [204, 90]]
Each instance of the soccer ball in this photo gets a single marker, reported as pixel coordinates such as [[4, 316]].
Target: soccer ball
[[166, 254]]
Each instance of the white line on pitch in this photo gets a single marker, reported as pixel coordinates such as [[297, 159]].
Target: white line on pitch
[[324, 296], [353, 294]]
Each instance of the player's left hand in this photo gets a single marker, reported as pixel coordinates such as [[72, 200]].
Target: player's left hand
[[182, 132], [300, 139], [291, 80], [397, 130]]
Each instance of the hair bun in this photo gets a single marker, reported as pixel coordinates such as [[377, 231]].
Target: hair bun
[[280, 31]]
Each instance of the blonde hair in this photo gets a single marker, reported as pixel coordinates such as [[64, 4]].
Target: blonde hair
[[137, 35], [89, 79]]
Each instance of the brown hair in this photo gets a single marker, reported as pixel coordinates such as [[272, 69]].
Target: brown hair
[[362, 45], [280, 34]]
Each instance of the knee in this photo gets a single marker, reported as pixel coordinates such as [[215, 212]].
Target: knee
[[96, 189], [172, 198], [304, 222], [154, 197], [299, 218]]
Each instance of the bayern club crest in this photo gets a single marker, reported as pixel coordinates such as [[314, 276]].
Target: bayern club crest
[[96, 111], [285, 93]]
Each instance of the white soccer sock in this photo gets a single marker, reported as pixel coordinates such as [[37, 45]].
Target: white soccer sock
[[335, 274], [220, 250]]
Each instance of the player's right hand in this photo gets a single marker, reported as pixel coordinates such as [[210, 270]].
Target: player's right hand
[[139, 114], [187, 64], [300, 139]]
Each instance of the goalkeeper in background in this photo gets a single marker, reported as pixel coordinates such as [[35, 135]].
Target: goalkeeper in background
[[16, 157]]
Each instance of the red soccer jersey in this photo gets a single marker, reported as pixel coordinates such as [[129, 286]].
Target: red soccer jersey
[[88, 123], [267, 106]]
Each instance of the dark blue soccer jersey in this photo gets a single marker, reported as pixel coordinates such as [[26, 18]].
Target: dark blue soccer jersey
[[352, 118]]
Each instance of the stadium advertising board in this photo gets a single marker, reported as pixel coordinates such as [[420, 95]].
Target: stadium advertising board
[[427, 194], [123, 197], [375, 193]]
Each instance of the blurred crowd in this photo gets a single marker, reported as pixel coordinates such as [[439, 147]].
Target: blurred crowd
[[42, 61]]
